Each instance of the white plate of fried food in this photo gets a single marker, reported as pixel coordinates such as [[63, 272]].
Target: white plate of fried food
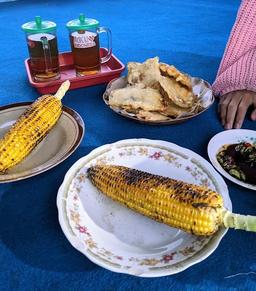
[[124, 241], [158, 93]]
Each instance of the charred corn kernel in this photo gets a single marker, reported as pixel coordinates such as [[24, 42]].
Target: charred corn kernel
[[192, 208], [30, 128]]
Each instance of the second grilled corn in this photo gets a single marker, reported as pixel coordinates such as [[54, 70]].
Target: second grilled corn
[[30, 128]]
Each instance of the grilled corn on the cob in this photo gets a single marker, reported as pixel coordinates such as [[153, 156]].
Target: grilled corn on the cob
[[30, 128], [192, 208]]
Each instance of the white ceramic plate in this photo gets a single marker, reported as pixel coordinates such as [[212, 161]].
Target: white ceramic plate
[[58, 145], [230, 137], [121, 240]]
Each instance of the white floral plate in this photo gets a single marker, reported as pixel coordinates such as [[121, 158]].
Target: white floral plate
[[230, 137], [121, 240]]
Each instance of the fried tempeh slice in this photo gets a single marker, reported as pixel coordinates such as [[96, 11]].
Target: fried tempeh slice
[[137, 98], [173, 110], [171, 71], [178, 94], [151, 115], [144, 74]]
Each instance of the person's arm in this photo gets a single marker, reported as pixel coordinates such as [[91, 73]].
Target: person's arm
[[238, 65], [236, 78]]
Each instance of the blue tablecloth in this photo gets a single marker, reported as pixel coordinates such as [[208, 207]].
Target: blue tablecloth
[[34, 253]]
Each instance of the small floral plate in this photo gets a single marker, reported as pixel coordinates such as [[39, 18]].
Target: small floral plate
[[225, 138], [122, 240]]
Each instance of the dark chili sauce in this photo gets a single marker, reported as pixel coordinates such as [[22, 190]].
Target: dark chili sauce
[[239, 160]]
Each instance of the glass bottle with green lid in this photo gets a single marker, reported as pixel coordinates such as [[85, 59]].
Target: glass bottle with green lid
[[84, 39], [43, 49]]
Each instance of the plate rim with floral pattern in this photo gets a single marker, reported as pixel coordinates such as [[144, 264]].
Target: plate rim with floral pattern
[[227, 137], [80, 236]]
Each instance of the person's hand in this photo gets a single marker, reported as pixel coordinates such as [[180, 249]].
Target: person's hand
[[233, 107]]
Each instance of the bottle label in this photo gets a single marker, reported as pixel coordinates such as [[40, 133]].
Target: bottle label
[[84, 40]]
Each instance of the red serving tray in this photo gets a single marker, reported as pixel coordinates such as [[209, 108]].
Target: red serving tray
[[109, 71]]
